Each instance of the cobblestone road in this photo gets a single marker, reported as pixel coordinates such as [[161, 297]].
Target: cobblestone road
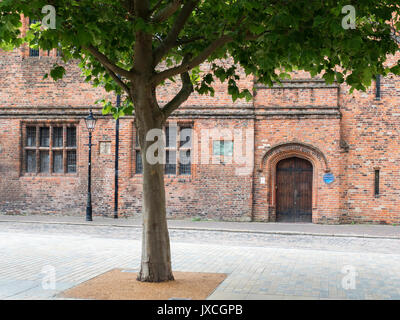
[[260, 266]]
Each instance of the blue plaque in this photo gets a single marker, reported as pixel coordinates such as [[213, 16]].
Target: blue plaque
[[329, 178]]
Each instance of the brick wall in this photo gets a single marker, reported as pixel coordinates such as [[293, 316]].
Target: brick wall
[[350, 136], [371, 129]]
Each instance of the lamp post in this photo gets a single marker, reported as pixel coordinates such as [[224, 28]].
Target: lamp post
[[90, 125], [116, 160]]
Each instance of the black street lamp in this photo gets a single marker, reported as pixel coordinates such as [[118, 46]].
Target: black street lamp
[[116, 160], [90, 125]]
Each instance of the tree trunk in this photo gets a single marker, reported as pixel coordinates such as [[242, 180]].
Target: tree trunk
[[156, 253], [156, 256]]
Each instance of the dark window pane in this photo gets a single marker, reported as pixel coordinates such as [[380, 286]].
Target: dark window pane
[[170, 165], [378, 87], [138, 162], [71, 161], [31, 136], [71, 137], [184, 162], [137, 140], [58, 162], [44, 137], [167, 136], [57, 137], [377, 182], [30, 161], [33, 21], [33, 52], [170, 136], [44, 161], [186, 137]]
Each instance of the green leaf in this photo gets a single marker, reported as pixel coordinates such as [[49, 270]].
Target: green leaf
[[57, 72]]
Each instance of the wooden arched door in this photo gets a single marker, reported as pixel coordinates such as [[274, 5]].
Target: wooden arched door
[[294, 190]]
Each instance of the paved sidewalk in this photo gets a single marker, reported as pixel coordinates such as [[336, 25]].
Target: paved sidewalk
[[292, 267], [356, 230]]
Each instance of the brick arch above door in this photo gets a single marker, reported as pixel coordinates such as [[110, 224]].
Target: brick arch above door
[[294, 146], [282, 151]]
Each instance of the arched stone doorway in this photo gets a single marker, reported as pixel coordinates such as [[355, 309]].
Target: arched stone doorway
[[267, 203], [294, 180]]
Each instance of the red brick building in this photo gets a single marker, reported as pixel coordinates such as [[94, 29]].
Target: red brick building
[[317, 152]]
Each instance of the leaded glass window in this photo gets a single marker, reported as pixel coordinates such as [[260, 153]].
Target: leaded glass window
[[50, 148], [178, 144]]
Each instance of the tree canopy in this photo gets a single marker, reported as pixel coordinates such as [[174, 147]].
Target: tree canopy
[[267, 38]]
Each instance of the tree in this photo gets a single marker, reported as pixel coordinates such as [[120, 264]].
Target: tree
[[133, 46]]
